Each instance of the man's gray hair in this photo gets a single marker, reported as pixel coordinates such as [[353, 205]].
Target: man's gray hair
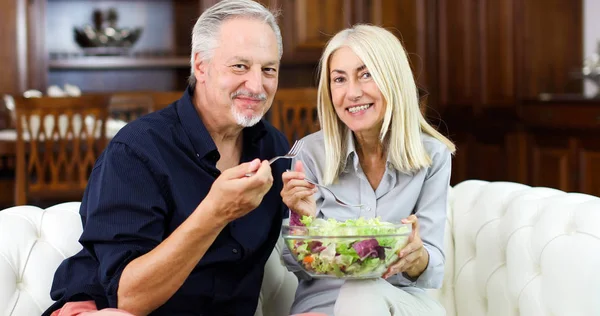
[[206, 30]]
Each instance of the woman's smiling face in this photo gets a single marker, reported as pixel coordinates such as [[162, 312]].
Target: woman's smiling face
[[356, 98]]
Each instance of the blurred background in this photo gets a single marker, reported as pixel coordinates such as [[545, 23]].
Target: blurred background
[[513, 82]]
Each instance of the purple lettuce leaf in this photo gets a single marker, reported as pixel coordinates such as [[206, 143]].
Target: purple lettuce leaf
[[316, 246], [295, 219], [369, 248]]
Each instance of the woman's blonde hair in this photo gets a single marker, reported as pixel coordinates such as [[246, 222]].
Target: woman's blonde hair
[[387, 61]]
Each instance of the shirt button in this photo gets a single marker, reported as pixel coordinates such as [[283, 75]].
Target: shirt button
[[198, 155], [234, 250]]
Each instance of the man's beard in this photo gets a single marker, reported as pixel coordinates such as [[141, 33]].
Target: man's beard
[[245, 120], [240, 118]]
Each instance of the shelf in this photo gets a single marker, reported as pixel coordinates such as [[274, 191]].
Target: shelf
[[118, 62]]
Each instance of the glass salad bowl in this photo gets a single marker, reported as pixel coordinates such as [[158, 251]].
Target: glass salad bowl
[[354, 249]]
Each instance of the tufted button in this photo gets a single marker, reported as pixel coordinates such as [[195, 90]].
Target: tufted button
[[20, 285], [571, 227], [198, 155]]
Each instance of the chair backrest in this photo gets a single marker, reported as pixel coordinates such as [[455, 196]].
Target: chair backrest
[[129, 106], [161, 99], [294, 112], [58, 142]]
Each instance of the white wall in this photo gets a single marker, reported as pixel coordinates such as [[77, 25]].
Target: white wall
[[591, 34]]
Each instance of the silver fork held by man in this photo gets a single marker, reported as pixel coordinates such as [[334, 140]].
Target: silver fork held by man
[[293, 152]]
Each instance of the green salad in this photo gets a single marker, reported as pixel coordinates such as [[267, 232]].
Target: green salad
[[355, 248]]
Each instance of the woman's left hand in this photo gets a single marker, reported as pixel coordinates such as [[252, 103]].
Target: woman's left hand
[[413, 258]]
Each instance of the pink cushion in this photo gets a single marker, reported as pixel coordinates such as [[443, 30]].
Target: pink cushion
[[88, 308]]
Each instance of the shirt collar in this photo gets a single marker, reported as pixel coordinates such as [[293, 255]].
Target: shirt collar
[[196, 130], [351, 152]]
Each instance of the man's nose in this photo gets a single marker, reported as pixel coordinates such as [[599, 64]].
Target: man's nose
[[254, 80]]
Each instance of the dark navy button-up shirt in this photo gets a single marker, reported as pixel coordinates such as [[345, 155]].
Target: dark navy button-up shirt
[[150, 178]]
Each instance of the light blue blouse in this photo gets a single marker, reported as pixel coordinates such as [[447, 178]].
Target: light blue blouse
[[398, 195]]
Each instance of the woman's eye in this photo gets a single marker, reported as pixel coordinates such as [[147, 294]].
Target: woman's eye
[[366, 75], [338, 80]]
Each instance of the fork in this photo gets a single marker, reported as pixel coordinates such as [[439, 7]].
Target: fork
[[293, 152], [337, 200]]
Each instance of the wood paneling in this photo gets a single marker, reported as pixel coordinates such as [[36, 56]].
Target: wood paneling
[[406, 19], [589, 171], [458, 55], [481, 61], [496, 45], [551, 163], [551, 35], [37, 59], [13, 46], [307, 26]]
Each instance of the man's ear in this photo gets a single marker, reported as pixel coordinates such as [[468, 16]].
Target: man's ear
[[200, 68]]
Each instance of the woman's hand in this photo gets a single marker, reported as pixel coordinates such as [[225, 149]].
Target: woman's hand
[[413, 258], [297, 193]]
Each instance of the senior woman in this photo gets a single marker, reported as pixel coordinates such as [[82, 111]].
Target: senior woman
[[375, 149]]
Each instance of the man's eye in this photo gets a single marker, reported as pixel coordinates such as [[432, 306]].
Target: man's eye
[[240, 67], [270, 70]]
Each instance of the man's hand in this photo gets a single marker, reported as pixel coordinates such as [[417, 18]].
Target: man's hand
[[297, 193], [234, 195]]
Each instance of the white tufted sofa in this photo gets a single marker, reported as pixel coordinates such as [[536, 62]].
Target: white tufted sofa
[[511, 250]]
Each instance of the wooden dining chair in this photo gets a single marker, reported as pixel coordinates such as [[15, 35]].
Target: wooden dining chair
[[294, 112], [58, 142], [129, 106], [162, 99]]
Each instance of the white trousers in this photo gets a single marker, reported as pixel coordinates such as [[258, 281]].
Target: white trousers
[[380, 298]]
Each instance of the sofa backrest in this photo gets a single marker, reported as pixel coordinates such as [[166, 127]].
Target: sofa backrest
[[33, 242], [510, 250], [523, 251]]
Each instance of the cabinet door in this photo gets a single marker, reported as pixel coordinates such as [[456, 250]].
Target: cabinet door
[[307, 25], [13, 46], [553, 162], [408, 20], [589, 170]]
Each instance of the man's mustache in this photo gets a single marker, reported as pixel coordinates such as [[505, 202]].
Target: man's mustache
[[257, 96]]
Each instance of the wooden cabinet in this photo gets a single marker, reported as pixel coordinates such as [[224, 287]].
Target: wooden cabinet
[[589, 168], [13, 46], [46, 53], [553, 161], [307, 25], [563, 146], [481, 63], [159, 60]]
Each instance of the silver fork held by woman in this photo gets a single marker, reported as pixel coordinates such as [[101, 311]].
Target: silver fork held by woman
[[293, 152], [337, 200]]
